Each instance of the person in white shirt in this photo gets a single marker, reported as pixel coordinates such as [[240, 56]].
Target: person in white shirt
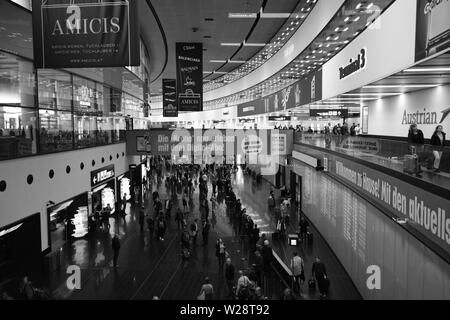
[[243, 284], [298, 271]]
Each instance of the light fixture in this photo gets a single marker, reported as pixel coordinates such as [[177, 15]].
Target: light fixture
[[437, 69], [275, 15], [401, 86], [230, 44], [242, 15]]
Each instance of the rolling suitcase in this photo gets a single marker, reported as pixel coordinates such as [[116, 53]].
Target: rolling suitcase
[[411, 164], [309, 238]]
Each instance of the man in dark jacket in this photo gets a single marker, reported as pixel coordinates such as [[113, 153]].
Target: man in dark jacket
[[229, 277], [267, 256], [320, 274], [205, 232], [116, 248], [141, 219]]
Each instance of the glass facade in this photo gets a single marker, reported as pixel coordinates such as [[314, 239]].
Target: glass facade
[[48, 110]]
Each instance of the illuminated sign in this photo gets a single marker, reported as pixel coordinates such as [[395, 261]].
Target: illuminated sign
[[101, 175]]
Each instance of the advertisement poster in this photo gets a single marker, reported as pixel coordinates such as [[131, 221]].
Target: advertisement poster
[[433, 27], [189, 59], [170, 103], [85, 34], [301, 93], [143, 144]]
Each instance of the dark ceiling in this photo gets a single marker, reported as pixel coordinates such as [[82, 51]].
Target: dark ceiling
[[210, 18]]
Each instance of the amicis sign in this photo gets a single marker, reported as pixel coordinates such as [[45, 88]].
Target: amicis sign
[[74, 24], [80, 34]]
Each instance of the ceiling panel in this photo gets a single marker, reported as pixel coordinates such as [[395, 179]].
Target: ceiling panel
[[179, 17]]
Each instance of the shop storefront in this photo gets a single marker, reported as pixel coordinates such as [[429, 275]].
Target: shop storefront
[[68, 221], [103, 189], [123, 183], [20, 250]]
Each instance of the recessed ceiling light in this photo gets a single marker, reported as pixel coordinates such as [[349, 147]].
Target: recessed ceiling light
[[401, 86], [242, 15], [437, 69]]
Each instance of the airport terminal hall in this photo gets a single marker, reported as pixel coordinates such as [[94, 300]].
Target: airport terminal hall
[[210, 159]]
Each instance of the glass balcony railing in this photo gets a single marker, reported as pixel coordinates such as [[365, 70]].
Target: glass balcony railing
[[385, 152]]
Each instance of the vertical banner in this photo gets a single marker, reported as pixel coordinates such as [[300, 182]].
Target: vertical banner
[[83, 34], [189, 58], [170, 101], [432, 27]]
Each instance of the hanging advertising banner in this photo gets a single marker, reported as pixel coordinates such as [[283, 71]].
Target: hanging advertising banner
[[302, 92], [432, 27], [189, 76], [85, 34], [170, 101]]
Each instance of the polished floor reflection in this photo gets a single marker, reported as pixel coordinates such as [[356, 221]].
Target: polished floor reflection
[[148, 267]]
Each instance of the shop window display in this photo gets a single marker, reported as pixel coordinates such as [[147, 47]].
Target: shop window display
[[55, 90], [17, 132]]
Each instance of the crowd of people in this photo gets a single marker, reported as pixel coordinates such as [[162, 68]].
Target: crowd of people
[[180, 182]]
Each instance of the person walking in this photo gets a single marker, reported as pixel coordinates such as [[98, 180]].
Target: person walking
[[205, 232], [116, 249], [242, 288], [161, 225], [220, 252], [438, 144], [267, 256], [229, 277], [298, 271], [320, 274], [303, 226], [141, 218], [416, 142], [194, 232], [207, 290], [179, 217]]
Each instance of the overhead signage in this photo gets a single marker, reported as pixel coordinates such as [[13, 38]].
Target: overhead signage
[[329, 113], [433, 27], [71, 34], [424, 211], [102, 175], [200, 143], [189, 60], [301, 93], [170, 101], [354, 66]]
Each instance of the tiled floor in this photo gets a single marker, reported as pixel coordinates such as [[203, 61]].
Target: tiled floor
[[148, 267]]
